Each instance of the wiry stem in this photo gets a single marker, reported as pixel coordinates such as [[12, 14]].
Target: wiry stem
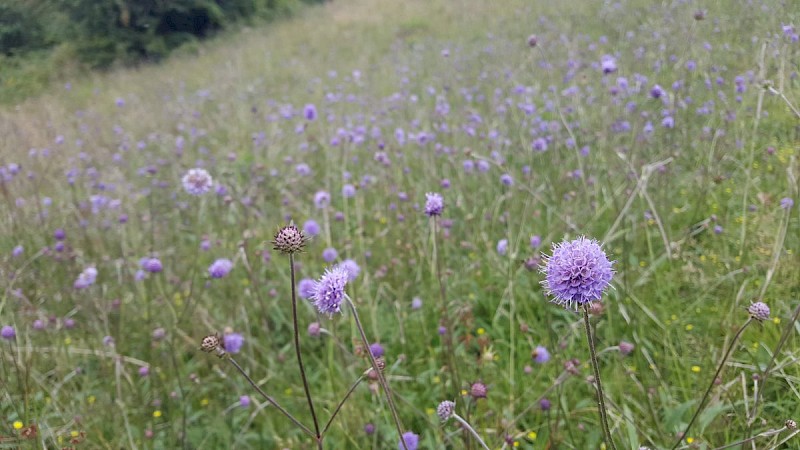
[[299, 356], [381, 378], [713, 380], [341, 403], [469, 428], [767, 433], [268, 398], [601, 404], [448, 324]]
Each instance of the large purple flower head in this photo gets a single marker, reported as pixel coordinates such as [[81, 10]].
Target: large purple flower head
[[329, 292], [434, 204], [577, 272]]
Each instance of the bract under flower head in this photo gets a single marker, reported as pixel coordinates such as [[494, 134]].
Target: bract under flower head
[[577, 273]]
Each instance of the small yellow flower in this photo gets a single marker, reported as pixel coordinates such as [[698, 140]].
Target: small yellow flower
[[287, 391], [17, 425], [157, 413], [481, 331], [532, 435], [429, 411], [689, 440], [695, 369], [463, 392], [436, 379], [689, 327], [516, 443], [776, 320], [204, 402], [91, 399], [74, 434], [67, 341]]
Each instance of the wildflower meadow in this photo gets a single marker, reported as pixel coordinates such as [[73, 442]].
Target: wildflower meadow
[[427, 224]]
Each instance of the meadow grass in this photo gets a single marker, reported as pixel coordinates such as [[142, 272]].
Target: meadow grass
[[686, 192]]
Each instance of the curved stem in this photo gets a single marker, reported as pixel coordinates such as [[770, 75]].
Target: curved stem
[[381, 378], [299, 356], [601, 403], [268, 398], [711, 385], [471, 430], [341, 403]]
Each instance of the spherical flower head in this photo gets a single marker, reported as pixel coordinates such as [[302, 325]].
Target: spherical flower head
[[540, 355], [544, 404], [626, 348], [377, 350], [210, 343], [311, 227], [759, 311], [577, 273], [322, 199], [232, 342], [8, 333], [351, 267], [502, 247], [310, 112], [445, 410], [86, 278], [532, 41], [197, 181], [329, 291], [144, 371], [787, 203], [305, 288], [416, 303], [434, 204], [244, 401], [478, 390], [411, 440], [220, 268], [59, 234], [314, 329], [152, 265], [289, 239], [330, 254]]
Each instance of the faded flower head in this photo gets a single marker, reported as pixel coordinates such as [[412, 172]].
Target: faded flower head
[[210, 343], [289, 239], [434, 204], [577, 272], [759, 311], [329, 292], [197, 181], [445, 410]]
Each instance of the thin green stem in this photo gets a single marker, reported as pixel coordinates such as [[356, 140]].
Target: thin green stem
[[767, 433], [469, 428], [601, 404], [448, 324], [713, 382], [299, 356], [341, 403], [268, 398], [381, 378]]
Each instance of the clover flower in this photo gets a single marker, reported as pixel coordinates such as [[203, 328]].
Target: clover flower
[[577, 273]]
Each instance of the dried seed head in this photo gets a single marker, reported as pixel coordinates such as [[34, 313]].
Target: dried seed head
[[211, 343], [289, 239], [445, 410], [790, 424], [759, 311]]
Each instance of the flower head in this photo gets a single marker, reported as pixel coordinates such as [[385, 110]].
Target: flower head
[[351, 267], [445, 410], [86, 278], [152, 265], [540, 355], [478, 390], [759, 311], [329, 292], [220, 268], [8, 333], [434, 204], [411, 440], [577, 272], [232, 342], [289, 239], [197, 181]]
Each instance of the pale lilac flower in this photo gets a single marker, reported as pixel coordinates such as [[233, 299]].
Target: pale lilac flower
[[502, 247], [86, 278], [197, 181], [787, 203], [411, 440], [577, 273], [329, 291], [434, 204], [351, 267], [232, 342], [330, 254], [220, 268]]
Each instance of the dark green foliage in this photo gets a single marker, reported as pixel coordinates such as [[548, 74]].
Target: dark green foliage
[[103, 32]]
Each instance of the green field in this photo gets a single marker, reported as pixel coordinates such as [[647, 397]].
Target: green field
[[668, 131]]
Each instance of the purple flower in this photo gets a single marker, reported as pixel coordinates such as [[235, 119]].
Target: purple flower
[[351, 267], [377, 350], [668, 122], [434, 204], [411, 440], [330, 254], [197, 181], [540, 355], [86, 278], [608, 64], [502, 247], [369, 429], [544, 404], [718, 229], [311, 228], [305, 288], [244, 401], [536, 241], [787, 203], [144, 371], [416, 303], [314, 329], [152, 265], [322, 199], [310, 112], [656, 91], [506, 179], [539, 144], [220, 268], [626, 347], [348, 190], [8, 333], [17, 251], [232, 342], [577, 272], [329, 291], [302, 169], [59, 234]]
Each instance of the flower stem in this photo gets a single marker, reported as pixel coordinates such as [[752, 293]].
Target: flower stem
[[381, 378], [713, 380], [448, 323], [268, 398], [299, 357], [471, 430], [601, 404], [341, 403]]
